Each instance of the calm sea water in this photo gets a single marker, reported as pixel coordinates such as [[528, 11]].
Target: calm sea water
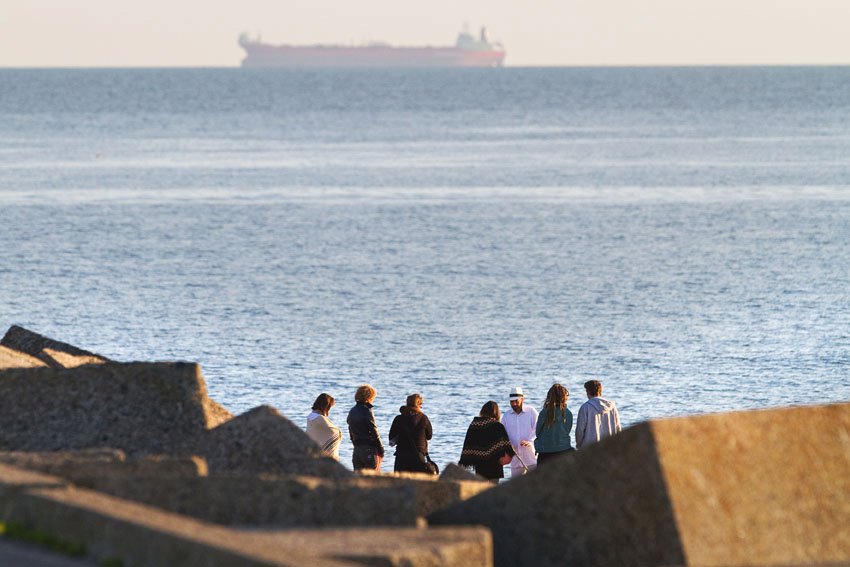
[[681, 234]]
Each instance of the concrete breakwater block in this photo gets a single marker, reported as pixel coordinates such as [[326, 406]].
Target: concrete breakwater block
[[63, 463], [10, 358], [431, 493], [455, 472], [284, 501], [53, 353], [114, 530], [270, 501], [262, 440], [22, 348], [138, 407], [180, 484], [396, 547], [216, 413], [766, 487], [106, 463]]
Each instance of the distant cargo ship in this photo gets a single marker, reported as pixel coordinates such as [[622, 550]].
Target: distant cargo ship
[[467, 52]]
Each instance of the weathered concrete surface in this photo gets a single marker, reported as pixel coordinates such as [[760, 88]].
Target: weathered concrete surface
[[10, 358], [605, 505], [749, 488], [141, 408], [180, 484], [106, 463], [62, 463], [455, 472], [430, 494], [22, 348], [53, 353], [768, 487], [112, 528], [262, 441], [216, 413], [285, 501], [403, 547], [291, 502]]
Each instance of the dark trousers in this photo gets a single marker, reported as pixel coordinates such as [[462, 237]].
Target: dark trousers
[[408, 461], [541, 457], [364, 457]]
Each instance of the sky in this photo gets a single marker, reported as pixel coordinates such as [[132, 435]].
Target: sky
[[189, 33]]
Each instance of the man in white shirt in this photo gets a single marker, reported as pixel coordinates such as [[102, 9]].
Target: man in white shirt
[[521, 424]]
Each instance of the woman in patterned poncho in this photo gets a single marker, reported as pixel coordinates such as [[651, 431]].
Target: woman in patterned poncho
[[486, 447]]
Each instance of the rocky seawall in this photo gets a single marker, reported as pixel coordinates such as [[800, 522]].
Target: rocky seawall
[[136, 464]]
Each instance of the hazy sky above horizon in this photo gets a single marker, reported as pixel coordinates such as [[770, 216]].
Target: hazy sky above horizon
[[98, 33]]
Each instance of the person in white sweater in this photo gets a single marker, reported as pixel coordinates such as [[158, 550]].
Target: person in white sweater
[[321, 429], [598, 418]]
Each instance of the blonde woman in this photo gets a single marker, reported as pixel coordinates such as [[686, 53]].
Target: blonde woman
[[368, 449], [554, 425]]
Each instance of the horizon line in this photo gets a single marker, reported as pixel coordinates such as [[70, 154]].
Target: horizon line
[[402, 68]]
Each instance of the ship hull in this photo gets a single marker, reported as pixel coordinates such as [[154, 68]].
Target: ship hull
[[262, 55]]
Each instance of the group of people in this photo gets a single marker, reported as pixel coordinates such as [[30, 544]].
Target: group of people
[[520, 437], [409, 433]]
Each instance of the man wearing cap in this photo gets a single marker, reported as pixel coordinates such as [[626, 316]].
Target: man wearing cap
[[521, 424]]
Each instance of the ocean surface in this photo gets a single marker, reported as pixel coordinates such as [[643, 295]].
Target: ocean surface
[[682, 234]]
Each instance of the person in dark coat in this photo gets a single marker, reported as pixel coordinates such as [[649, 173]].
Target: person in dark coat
[[410, 433], [368, 450], [486, 447]]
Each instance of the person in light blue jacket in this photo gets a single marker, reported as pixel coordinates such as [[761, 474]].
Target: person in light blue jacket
[[554, 425]]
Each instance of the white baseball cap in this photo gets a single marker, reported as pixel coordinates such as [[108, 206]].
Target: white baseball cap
[[517, 393]]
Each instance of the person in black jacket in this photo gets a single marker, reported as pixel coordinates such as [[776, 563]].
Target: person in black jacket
[[410, 433], [368, 449]]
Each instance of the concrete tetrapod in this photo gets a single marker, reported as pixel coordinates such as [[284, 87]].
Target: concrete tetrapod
[[11, 358], [22, 348], [262, 440], [138, 407], [52, 352], [724, 489], [112, 530]]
